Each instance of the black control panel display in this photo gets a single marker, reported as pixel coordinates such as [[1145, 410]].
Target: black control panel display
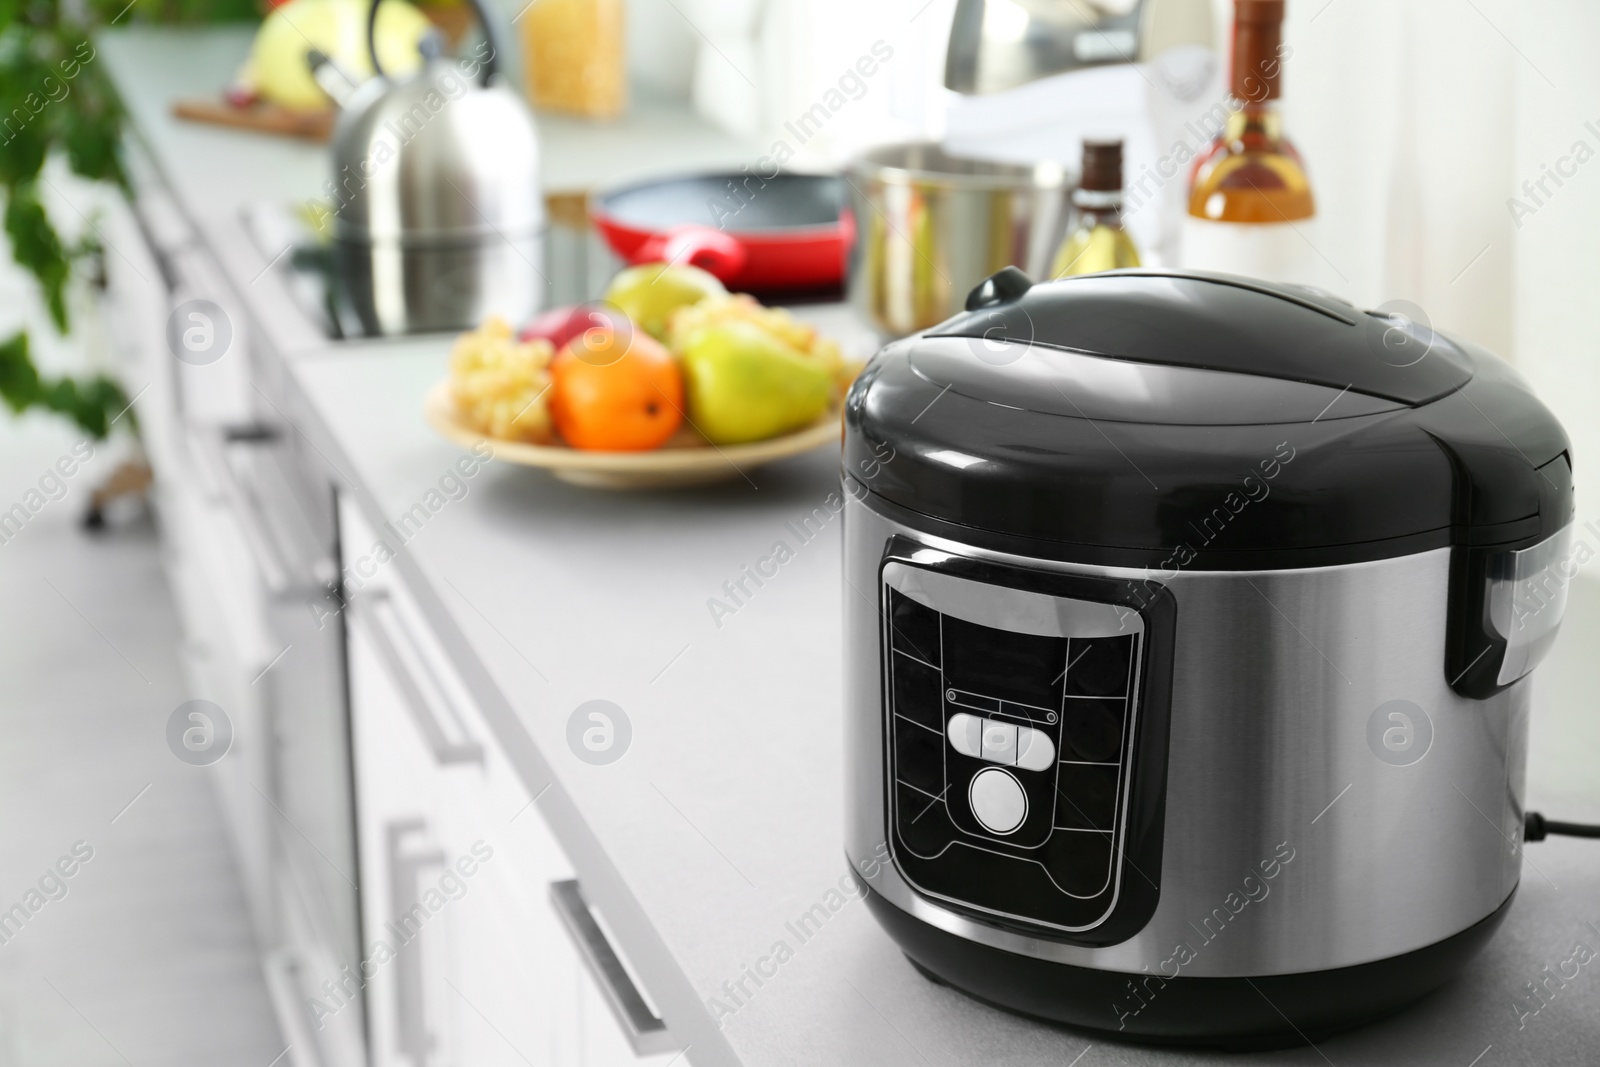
[[1009, 756]]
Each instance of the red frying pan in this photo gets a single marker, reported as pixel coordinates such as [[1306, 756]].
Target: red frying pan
[[781, 234]]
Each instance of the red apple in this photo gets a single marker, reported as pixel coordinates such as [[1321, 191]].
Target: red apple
[[560, 326], [240, 95]]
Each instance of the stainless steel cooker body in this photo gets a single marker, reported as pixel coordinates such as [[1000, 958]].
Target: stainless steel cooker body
[[1329, 800]]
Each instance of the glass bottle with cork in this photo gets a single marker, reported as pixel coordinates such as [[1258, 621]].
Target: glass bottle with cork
[[1250, 200], [1098, 242]]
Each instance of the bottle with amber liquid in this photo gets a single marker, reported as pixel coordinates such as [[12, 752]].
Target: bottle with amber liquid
[[1098, 242], [1250, 202]]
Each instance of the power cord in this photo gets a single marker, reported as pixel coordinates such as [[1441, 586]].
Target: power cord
[[1536, 828]]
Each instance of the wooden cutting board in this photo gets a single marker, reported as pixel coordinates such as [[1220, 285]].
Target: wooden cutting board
[[260, 117]]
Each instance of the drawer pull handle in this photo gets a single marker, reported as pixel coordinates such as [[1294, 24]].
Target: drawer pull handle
[[416, 1036], [209, 448], [645, 1030], [383, 622], [283, 975]]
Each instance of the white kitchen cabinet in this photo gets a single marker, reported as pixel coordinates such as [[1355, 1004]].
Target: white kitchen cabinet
[[457, 872], [211, 574], [247, 537], [225, 650]]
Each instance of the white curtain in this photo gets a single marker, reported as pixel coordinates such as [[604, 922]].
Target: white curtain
[[1406, 114], [1421, 120], [1555, 277]]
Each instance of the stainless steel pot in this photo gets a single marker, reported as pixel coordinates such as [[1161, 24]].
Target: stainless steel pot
[[438, 218], [930, 226]]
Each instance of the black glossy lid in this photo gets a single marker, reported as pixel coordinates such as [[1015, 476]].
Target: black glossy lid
[[1137, 416]]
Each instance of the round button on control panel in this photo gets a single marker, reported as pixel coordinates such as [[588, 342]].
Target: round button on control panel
[[998, 800]]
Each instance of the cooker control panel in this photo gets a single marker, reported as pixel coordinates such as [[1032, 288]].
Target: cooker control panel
[[1012, 717]]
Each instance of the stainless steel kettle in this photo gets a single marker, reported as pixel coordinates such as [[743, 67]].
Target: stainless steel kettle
[[438, 217]]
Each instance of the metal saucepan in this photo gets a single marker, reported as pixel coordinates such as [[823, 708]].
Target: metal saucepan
[[928, 227]]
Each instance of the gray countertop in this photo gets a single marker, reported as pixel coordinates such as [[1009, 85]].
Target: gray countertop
[[723, 822]]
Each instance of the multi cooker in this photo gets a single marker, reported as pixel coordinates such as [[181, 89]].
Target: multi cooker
[[1189, 622]]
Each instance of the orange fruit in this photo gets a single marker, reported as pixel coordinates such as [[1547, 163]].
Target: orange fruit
[[615, 389]]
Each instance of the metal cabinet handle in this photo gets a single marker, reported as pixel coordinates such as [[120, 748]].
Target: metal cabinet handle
[[283, 989], [209, 446], [378, 609], [645, 1030], [155, 215], [415, 1037], [170, 278]]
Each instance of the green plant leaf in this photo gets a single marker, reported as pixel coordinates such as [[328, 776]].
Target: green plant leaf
[[91, 403], [19, 379], [24, 137], [21, 153], [36, 246], [55, 100], [92, 146]]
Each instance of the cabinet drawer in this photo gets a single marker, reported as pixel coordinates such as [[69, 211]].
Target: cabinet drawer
[[495, 977]]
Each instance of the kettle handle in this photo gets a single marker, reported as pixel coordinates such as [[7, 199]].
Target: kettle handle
[[491, 63]]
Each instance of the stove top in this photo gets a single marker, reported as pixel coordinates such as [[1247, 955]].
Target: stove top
[[578, 266], [291, 244]]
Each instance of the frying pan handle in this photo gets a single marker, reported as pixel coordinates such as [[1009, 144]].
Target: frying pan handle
[[720, 253]]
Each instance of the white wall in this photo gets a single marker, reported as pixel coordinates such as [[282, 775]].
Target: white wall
[[759, 74], [661, 47], [826, 38]]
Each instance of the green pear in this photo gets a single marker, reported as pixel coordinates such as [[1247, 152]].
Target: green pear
[[649, 293], [746, 385]]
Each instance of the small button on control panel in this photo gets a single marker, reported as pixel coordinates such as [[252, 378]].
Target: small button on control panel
[[1001, 742], [1035, 750], [966, 734], [998, 800]]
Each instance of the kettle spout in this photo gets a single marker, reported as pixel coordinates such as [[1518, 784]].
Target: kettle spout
[[331, 78]]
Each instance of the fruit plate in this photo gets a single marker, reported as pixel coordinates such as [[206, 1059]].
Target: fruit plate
[[687, 459]]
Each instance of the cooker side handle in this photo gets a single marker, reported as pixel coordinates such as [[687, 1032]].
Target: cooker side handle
[[1506, 606]]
